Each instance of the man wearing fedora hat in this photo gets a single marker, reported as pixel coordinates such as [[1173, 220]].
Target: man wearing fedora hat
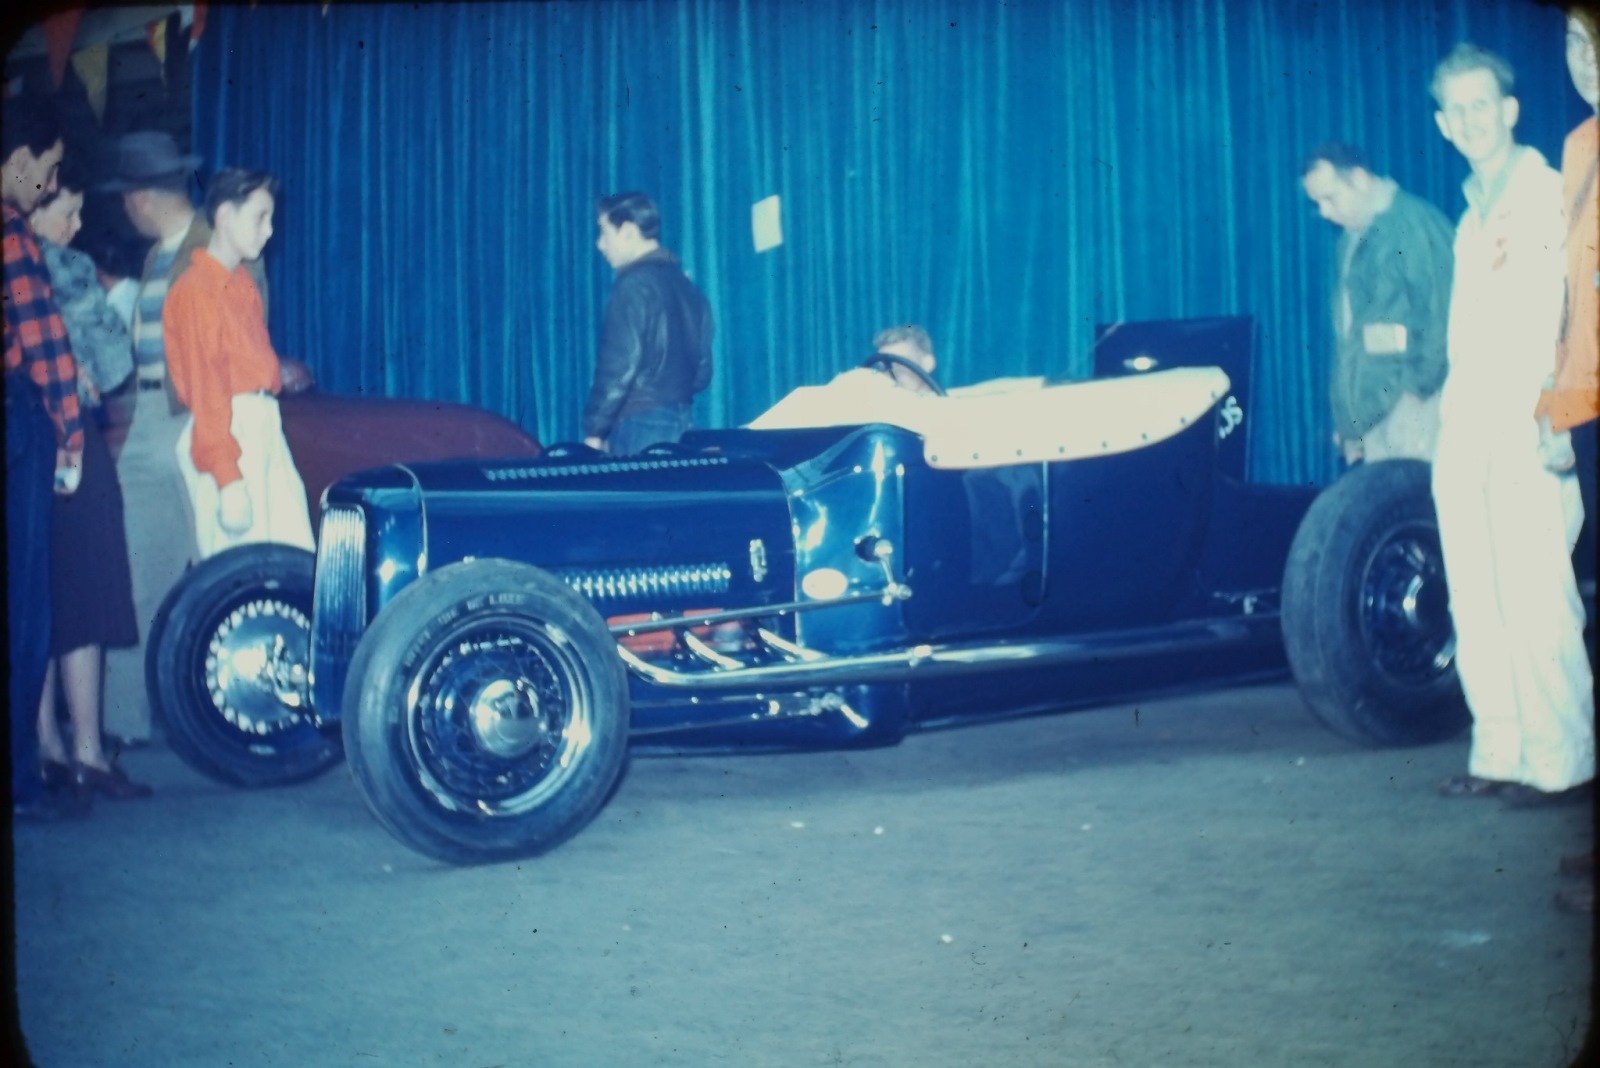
[[154, 177]]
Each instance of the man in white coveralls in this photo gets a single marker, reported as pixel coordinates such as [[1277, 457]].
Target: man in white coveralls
[[1513, 598]]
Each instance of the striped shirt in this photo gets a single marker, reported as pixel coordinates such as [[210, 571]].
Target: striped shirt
[[149, 346], [36, 338]]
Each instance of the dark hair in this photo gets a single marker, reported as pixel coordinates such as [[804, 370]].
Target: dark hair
[[636, 208], [31, 123], [1463, 59], [233, 185], [112, 253], [1343, 157], [71, 177]]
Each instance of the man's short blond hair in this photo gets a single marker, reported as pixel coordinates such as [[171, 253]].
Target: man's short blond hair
[[1465, 58]]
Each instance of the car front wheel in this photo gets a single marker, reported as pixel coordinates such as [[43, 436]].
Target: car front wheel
[[226, 668], [1366, 615], [486, 713]]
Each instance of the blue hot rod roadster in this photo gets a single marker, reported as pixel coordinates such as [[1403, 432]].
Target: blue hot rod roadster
[[489, 638]]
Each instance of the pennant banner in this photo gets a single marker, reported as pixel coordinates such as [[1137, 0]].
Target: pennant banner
[[91, 65], [60, 30], [156, 34], [197, 27]]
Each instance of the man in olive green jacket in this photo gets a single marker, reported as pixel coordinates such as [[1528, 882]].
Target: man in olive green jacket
[[1390, 309]]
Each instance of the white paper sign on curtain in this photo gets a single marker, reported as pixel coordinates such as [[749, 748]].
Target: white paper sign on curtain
[[766, 223]]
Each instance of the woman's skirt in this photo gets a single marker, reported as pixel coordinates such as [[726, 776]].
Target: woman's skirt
[[91, 587]]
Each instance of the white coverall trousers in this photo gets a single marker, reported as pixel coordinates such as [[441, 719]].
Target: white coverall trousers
[[1518, 616], [277, 496]]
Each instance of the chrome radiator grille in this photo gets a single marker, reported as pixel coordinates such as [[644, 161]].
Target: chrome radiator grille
[[609, 584], [340, 597], [532, 472]]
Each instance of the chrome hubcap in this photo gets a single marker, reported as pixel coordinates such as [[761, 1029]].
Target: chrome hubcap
[[256, 666], [506, 719]]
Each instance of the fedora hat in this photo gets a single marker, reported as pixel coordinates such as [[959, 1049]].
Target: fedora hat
[[148, 159]]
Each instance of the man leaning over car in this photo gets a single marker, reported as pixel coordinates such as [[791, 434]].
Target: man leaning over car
[[1391, 305]]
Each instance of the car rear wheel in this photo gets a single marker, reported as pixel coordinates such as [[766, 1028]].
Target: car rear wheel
[[1366, 615], [225, 668], [486, 713]]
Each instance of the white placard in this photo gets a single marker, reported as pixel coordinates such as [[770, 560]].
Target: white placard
[[766, 224]]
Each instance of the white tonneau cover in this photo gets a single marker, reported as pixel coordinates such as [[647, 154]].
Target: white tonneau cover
[[1012, 421]]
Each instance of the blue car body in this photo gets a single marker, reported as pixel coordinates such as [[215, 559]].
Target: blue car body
[[838, 585]]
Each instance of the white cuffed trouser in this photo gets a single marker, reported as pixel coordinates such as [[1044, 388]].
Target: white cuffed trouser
[[277, 496], [1515, 604], [156, 523]]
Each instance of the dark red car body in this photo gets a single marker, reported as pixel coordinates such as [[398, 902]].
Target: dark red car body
[[332, 436]]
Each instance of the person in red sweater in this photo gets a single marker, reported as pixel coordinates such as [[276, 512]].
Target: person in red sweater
[[241, 478], [1572, 403]]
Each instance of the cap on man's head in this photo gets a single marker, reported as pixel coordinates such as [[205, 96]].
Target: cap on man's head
[[149, 159]]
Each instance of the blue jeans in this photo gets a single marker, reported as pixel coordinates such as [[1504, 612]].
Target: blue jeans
[[634, 433], [30, 469]]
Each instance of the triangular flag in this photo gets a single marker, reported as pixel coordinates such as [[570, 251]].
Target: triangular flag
[[91, 67], [198, 26], [156, 34], [60, 30]]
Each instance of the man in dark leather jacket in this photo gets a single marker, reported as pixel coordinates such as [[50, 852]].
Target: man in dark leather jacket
[[655, 344]]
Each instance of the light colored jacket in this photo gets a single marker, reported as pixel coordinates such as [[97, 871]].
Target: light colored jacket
[[100, 339]]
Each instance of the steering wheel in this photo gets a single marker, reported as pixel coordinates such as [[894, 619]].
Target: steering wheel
[[887, 361]]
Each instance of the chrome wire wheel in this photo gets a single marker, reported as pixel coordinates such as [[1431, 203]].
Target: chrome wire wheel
[[500, 716], [486, 713]]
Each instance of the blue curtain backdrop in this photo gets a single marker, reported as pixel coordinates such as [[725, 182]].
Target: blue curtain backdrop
[[1008, 174]]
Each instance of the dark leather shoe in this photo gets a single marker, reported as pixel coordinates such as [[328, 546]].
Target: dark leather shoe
[[1473, 786], [1520, 795], [50, 808], [118, 744], [112, 783], [56, 775]]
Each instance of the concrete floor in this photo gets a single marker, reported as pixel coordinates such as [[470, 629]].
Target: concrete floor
[[1211, 880]]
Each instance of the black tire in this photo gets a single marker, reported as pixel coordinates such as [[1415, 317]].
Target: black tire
[[486, 713], [225, 669], [1366, 616]]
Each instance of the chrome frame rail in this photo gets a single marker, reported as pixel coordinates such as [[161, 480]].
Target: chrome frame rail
[[886, 596], [804, 667]]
